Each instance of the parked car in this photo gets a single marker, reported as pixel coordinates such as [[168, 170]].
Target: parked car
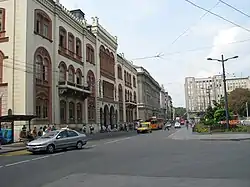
[[58, 139], [177, 125]]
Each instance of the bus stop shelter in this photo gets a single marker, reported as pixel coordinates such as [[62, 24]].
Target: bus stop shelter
[[12, 118]]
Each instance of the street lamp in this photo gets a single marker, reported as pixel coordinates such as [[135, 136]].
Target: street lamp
[[222, 60]]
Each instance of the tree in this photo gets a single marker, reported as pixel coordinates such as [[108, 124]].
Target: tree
[[237, 100], [180, 111]]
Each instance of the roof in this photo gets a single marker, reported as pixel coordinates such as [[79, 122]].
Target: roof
[[10, 118]]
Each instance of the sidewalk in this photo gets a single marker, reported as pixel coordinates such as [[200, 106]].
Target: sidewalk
[[98, 136], [184, 134]]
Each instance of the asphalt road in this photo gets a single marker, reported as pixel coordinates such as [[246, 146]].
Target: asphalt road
[[145, 160]]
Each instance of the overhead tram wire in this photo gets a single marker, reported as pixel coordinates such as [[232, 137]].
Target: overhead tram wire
[[236, 9], [189, 28], [227, 20]]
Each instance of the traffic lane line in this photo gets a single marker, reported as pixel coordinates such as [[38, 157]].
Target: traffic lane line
[[33, 159], [116, 141], [61, 153]]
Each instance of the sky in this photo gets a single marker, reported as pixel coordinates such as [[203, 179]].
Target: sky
[[148, 27]]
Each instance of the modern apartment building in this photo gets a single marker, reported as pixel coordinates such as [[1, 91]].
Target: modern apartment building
[[199, 92]]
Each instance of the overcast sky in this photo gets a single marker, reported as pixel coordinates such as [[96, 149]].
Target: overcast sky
[[147, 27]]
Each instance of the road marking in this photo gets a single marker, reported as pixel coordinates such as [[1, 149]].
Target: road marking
[[119, 140], [16, 163], [57, 154], [39, 158]]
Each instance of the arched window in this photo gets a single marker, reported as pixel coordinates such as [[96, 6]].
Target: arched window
[[112, 63], [102, 57], [91, 98], [62, 38], [134, 82], [90, 54], [62, 72], [63, 112], [120, 94], [78, 77], [71, 111], [43, 24], [130, 96], [91, 81], [43, 83], [119, 71], [71, 42], [78, 47], [135, 97], [79, 112], [71, 74]]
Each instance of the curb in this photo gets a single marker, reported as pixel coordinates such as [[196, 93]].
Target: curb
[[90, 138], [11, 151], [239, 139]]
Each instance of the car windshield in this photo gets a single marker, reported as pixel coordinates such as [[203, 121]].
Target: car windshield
[[50, 134], [144, 125]]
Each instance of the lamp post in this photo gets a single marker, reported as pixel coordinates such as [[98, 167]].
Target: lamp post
[[222, 60]]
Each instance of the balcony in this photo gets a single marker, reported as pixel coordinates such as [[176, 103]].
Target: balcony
[[68, 89], [130, 103], [70, 55]]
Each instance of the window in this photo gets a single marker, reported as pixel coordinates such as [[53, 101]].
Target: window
[[119, 72], [72, 133], [71, 111], [62, 37], [2, 19], [38, 111], [45, 29], [90, 54], [39, 65], [45, 70], [42, 83], [134, 81], [71, 43], [78, 47], [62, 111], [63, 134], [62, 72], [43, 24], [78, 77], [79, 112], [71, 74], [45, 109]]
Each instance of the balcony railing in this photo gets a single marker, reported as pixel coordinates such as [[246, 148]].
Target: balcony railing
[[79, 86]]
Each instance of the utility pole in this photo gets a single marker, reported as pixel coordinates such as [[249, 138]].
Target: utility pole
[[247, 109], [222, 60]]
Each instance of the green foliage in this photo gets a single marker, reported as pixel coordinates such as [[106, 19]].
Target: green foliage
[[180, 111], [237, 100], [200, 128], [219, 115]]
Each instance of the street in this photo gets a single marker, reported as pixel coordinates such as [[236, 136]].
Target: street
[[143, 160]]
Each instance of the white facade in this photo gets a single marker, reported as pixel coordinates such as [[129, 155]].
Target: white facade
[[56, 66], [199, 92]]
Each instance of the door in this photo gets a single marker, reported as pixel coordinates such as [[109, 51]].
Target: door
[[62, 140], [73, 138]]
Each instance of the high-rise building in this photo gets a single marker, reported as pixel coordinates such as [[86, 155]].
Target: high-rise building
[[200, 92]]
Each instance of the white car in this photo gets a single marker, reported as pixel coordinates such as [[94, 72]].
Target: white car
[[177, 125]]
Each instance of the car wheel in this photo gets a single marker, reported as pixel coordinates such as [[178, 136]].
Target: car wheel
[[50, 148], [138, 132], [79, 145]]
